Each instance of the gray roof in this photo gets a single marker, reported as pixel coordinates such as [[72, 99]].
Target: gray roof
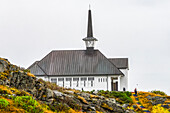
[[74, 62], [36, 69], [120, 63]]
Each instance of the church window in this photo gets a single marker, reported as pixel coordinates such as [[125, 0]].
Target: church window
[[98, 79], [91, 83], [54, 80], [75, 79], [83, 83], [68, 79], [83, 79], [60, 79], [77, 83], [61, 82], [101, 79], [90, 78]]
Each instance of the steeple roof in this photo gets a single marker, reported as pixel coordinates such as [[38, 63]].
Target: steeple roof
[[89, 28]]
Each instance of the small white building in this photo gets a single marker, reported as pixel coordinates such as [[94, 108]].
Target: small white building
[[83, 69]]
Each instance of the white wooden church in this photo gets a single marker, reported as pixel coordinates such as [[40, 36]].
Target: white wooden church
[[85, 69]]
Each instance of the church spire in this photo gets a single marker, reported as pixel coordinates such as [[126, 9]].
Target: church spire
[[89, 40], [90, 27]]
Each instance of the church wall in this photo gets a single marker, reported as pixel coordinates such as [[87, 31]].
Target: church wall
[[87, 83], [124, 80]]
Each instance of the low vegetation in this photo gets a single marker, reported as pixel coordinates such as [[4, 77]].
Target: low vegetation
[[158, 92], [121, 97]]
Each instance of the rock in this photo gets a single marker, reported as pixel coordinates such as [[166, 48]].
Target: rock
[[92, 108], [149, 97], [112, 100], [125, 105], [1, 67], [1, 82], [71, 92], [157, 100], [86, 95], [50, 93], [135, 106], [129, 111], [57, 93], [165, 106], [50, 101], [95, 92]]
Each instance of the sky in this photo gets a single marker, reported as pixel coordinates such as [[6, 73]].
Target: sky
[[134, 29]]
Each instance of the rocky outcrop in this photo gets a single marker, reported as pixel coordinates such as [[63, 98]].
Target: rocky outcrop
[[156, 100], [14, 76]]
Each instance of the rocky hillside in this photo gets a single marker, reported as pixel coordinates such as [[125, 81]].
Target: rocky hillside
[[22, 92]]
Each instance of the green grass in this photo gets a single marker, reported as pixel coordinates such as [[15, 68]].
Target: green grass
[[3, 103], [28, 103]]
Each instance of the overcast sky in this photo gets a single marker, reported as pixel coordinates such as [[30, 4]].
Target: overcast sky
[[137, 29]]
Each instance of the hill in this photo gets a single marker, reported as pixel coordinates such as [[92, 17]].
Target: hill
[[22, 92]]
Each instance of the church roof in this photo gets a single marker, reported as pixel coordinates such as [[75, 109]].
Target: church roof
[[74, 62], [120, 63], [36, 69]]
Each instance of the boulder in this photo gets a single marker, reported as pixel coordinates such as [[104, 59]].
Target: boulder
[[57, 93], [125, 105], [2, 69], [165, 106]]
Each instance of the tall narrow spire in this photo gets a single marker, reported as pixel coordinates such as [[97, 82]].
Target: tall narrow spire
[[89, 40], [90, 27]]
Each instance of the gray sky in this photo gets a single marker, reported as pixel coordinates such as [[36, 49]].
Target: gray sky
[[137, 29]]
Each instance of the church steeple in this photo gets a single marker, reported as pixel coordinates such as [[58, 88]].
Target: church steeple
[[89, 40]]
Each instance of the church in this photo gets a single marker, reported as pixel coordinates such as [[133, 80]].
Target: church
[[85, 69]]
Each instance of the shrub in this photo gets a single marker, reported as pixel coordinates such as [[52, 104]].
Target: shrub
[[159, 109], [59, 107], [28, 103], [122, 97], [158, 92], [3, 103]]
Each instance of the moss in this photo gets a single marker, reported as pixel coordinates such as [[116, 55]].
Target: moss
[[82, 99], [5, 60], [5, 90], [104, 105], [3, 75], [44, 96], [94, 96], [3, 103], [30, 74]]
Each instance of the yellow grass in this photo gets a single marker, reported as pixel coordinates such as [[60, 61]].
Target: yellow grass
[[30, 74], [82, 99]]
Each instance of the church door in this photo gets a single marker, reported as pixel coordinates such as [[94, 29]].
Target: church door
[[114, 84]]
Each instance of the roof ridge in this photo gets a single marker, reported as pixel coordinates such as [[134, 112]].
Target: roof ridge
[[73, 50]]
